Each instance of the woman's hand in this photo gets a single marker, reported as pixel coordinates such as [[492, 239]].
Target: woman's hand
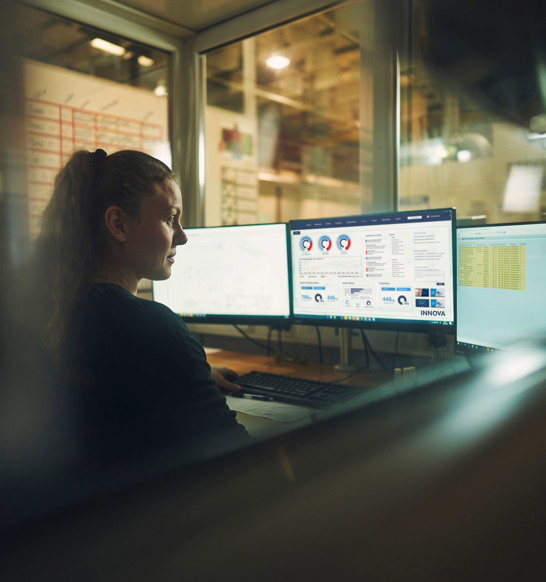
[[223, 378]]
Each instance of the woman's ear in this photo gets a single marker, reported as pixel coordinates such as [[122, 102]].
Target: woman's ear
[[115, 221]]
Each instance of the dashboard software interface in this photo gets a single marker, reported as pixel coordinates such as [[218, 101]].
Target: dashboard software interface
[[391, 269], [500, 284], [229, 271]]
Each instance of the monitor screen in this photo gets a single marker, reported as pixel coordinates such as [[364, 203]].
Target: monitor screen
[[230, 274], [383, 271], [500, 284]]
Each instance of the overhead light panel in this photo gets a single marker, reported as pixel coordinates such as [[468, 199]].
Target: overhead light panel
[[107, 47], [464, 155], [144, 61], [277, 62], [160, 89]]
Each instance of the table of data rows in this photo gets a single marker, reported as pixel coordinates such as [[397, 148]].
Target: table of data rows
[[494, 266]]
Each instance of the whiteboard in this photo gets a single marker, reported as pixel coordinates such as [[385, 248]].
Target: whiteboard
[[66, 111]]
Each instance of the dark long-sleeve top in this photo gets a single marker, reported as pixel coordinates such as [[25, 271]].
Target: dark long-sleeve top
[[143, 382]]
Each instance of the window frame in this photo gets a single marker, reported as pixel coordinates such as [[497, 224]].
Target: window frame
[[186, 107], [386, 92], [154, 32]]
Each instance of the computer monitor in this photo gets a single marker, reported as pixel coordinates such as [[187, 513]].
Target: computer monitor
[[500, 284], [383, 271], [230, 274]]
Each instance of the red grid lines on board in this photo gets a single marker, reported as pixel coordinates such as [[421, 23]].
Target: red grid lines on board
[[54, 131]]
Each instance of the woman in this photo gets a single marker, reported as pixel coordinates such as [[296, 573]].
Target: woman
[[142, 380]]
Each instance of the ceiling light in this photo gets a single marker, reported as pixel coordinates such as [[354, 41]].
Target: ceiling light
[[160, 89], [145, 61], [107, 47], [464, 155], [277, 62], [538, 124]]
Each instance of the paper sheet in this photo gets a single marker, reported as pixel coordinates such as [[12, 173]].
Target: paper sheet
[[269, 409]]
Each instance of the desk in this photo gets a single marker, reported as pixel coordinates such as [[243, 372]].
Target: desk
[[243, 363]]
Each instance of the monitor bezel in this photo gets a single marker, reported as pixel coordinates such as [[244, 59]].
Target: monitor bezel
[[396, 325], [464, 348], [275, 321]]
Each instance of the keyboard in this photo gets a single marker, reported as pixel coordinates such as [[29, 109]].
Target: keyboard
[[310, 393]]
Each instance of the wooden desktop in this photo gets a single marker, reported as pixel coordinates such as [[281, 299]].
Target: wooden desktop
[[243, 363]]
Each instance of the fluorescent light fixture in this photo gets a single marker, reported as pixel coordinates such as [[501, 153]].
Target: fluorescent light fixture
[[160, 89], [537, 125], [464, 155], [277, 62], [145, 61], [107, 47], [523, 189], [440, 152]]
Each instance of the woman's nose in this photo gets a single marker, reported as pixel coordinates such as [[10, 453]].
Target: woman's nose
[[181, 238]]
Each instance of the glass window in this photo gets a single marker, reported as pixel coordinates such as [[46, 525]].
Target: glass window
[[287, 125], [456, 149], [84, 88]]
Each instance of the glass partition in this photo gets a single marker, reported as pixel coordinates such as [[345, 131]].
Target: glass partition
[[84, 88], [456, 149], [288, 121]]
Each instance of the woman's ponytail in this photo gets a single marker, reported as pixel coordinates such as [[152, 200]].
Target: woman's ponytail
[[69, 233], [73, 240]]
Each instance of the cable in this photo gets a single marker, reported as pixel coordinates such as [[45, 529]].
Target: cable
[[396, 352], [319, 343], [279, 339], [367, 351], [353, 373], [246, 336], [269, 333], [366, 342]]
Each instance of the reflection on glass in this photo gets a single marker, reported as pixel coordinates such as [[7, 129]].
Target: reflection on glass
[[283, 128], [86, 89], [454, 151]]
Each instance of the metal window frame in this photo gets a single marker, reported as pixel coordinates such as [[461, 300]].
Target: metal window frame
[[187, 96]]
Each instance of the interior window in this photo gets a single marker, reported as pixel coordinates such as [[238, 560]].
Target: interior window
[[454, 150], [86, 89], [286, 129]]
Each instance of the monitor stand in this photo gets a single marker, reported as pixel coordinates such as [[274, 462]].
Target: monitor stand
[[344, 352]]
